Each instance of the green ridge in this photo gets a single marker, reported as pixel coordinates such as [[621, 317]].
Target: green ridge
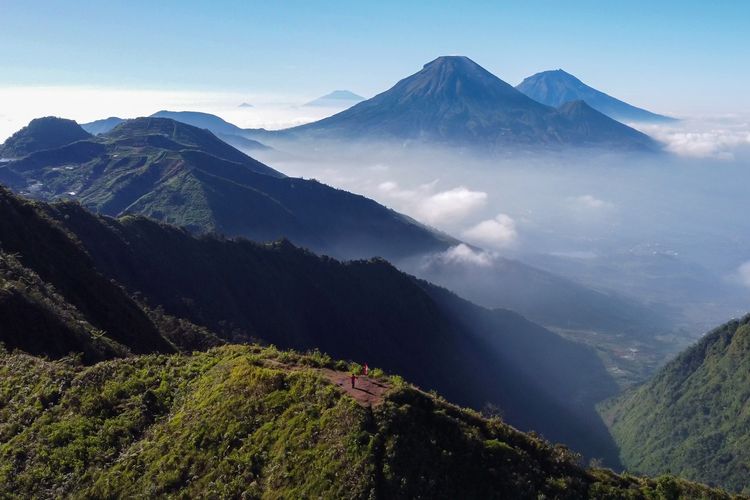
[[232, 423], [693, 417]]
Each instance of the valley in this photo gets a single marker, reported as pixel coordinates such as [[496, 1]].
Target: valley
[[351, 250]]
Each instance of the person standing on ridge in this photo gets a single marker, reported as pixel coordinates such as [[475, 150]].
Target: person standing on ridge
[[366, 369], [354, 378]]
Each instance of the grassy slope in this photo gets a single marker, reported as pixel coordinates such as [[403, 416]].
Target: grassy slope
[[358, 310], [283, 295], [227, 423], [693, 417]]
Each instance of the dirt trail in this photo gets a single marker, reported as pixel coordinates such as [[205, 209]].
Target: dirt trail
[[367, 391]]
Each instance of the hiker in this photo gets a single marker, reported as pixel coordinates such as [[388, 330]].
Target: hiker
[[354, 377], [366, 370]]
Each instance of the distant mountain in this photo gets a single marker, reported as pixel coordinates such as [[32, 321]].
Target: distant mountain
[[226, 131], [243, 143], [40, 134], [186, 176], [102, 126], [336, 99], [453, 100], [245, 105], [279, 294], [253, 422], [692, 418], [556, 88], [593, 127], [207, 121]]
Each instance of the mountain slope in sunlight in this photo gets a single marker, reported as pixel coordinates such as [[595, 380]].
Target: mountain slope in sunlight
[[692, 418], [242, 421]]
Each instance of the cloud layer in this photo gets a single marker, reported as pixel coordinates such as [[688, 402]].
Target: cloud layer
[[704, 138], [429, 205], [589, 201], [497, 233], [463, 254], [743, 274]]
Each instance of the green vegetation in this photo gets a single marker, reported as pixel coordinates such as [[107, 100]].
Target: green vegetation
[[692, 418], [186, 176], [153, 288], [29, 304], [40, 134], [236, 422]]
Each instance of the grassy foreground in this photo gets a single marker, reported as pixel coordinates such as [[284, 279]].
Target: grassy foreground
[[252, 422]]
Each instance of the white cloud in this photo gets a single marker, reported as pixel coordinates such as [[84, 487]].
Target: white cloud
[[497, 233], [591, 202], [464, 254], [743, 274], [435, 207], [454, 204], [704, 137], [21, 104]]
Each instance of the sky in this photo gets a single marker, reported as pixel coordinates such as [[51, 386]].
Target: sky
[[679, 57]]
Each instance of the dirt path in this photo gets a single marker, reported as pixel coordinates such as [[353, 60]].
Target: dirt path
[[366, 391]]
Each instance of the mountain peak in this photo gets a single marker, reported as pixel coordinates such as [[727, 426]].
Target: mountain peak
[[453, 61], [457, 81], [460, 65], [337, 98], [42, 133], [454, 100], [343, 94], [556, 87], [579, 105], [153, 130]]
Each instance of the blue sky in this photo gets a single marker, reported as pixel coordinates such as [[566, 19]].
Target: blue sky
[[672, 56]]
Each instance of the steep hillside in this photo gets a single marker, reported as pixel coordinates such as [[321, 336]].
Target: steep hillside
[[240, 422], [453, 100], [363, 310], [555, 88], [42, 133], [38, 320], [52, 280], [693, 417], [186, 176]]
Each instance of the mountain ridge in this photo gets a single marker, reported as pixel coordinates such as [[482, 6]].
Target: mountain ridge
[[279, 294], [246, 421], [40, 134], [455, 101], [186, 176], [691, 418], [557, 87]]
